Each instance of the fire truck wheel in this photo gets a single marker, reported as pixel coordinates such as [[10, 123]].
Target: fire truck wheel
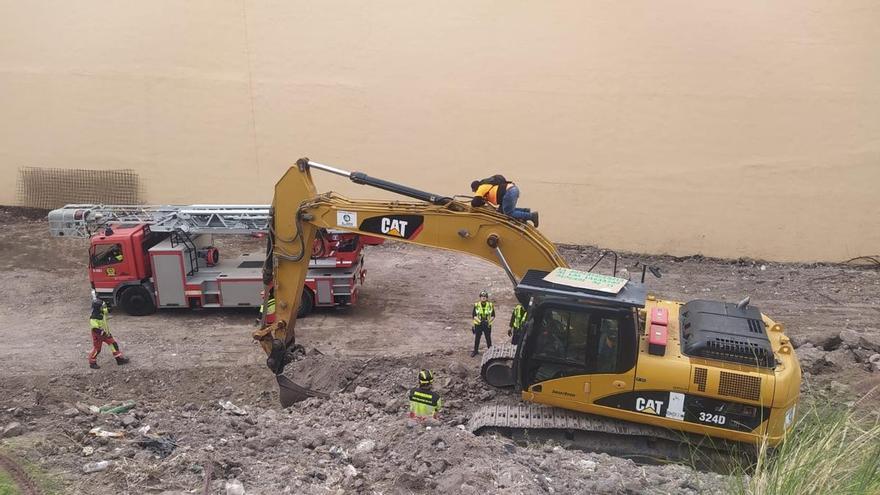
[[137, 301], [306, 303]]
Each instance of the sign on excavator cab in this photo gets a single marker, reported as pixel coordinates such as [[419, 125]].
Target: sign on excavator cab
[[585, 280]]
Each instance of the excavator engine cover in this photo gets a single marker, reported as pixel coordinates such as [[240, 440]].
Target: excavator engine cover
[[722, 331]]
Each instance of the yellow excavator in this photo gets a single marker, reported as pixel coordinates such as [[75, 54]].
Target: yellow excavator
[[598, 354]]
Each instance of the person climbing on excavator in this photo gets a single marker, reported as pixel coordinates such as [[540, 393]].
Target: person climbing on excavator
[[502, 194]]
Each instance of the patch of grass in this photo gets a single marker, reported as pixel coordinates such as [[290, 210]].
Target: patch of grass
[[7, 486], [831, 450], [47, 483]]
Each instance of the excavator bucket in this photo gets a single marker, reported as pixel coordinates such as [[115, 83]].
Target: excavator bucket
[[291, 393]]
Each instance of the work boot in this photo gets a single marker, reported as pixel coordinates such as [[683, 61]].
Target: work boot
[[94, 366], [473, 353], [534, 218], [121, 360]]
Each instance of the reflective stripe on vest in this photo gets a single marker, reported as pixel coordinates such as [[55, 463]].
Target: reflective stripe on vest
[[423, 402], [519, 316], [271, 305], [484, 312]]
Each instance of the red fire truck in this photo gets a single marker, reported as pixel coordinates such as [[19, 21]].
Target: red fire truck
[[146, 257]]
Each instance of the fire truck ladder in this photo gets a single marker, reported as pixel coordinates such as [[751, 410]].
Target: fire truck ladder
[[181, 237], [84, 220]]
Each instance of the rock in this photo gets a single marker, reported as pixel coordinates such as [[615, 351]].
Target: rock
[[823, 341], [392, 406], [13, 429], [129, 421], [811, 358], [457, 368], [69, 413], [88, 450], [438, 466], [365, 446], [360, 460], [467, 489], [870, 341], [350, 471], [313, 440], [862, 355], [587, 465], [874, 361], [849, 338], [839, 358], [83, 408], [361, 392], [234, 487]]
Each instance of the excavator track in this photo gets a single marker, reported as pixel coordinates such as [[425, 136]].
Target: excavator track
[[496, 367], [536, 423]]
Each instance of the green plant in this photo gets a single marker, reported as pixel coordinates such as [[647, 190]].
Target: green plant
[[831, 450], [7, 486]]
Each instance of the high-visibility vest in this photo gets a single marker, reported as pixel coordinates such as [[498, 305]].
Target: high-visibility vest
[[269, 304], [424, 403], [519, 316], [483, 313], [100, 323], [270, 313]]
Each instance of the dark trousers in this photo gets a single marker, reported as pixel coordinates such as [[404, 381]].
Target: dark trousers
[[516, 336], [482, 329]]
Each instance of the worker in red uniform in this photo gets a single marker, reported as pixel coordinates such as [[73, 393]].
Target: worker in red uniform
[[502, 194], [101, 335]]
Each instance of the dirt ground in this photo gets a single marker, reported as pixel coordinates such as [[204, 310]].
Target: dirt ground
[[413, 312]]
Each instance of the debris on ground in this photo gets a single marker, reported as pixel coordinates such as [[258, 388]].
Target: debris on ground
[[100, 432], [229, 406], [94, 467], [159, 445]]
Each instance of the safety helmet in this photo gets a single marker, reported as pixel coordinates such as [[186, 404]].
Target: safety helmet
[[425, 377], [484, 293]]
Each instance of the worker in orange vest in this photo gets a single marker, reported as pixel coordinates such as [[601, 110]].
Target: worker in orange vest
[[502, 194]]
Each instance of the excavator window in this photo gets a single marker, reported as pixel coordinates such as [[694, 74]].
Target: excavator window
[[570, 340]]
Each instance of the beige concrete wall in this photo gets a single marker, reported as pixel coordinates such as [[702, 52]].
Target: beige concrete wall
[[740, 129]]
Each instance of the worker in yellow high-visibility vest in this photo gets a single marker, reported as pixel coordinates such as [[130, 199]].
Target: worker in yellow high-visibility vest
[[484, 315]]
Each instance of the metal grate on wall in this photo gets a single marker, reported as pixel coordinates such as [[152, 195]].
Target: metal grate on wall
[[49, 188], [742, 386]]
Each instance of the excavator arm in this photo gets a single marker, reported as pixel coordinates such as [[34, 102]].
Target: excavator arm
[[298, 211]]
